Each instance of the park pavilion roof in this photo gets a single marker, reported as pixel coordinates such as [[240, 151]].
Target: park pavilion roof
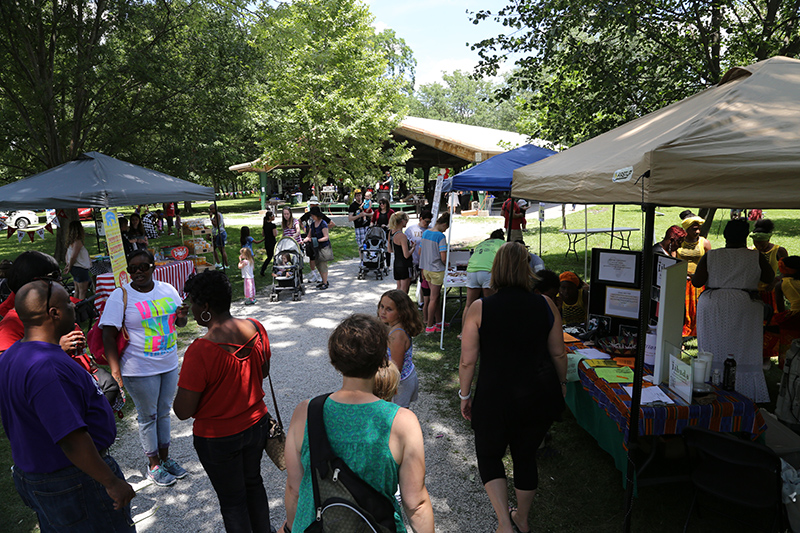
[[436, 143]]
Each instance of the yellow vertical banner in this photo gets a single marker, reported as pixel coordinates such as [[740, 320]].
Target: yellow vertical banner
[[116, 249]]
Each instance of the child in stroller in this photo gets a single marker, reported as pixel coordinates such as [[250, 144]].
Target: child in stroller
[[287, 270]]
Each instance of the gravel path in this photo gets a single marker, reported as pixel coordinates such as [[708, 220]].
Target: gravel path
[[298, 333]]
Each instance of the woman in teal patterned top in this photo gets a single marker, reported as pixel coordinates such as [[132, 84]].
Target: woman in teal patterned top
[[378, 440]]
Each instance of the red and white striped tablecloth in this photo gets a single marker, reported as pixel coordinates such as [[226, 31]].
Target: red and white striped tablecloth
[[175, 274]]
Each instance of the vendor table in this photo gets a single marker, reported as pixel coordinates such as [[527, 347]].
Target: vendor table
[[574, 236], [175, 274], [603, 409]]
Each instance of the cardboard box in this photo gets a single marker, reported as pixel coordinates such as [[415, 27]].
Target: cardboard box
[[204, 231], [203, 268]]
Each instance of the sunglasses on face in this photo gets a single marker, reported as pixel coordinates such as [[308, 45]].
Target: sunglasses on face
[[141, 267]]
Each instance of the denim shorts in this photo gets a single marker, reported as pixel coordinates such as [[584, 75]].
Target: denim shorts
[[79, 274], [479, 280], [221, 238], [70, 500]]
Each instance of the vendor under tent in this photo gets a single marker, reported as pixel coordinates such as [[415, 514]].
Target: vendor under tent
[[737, 143], [494, 174]]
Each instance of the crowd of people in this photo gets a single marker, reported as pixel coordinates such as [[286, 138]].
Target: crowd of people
[[735, 301], [60, 424]]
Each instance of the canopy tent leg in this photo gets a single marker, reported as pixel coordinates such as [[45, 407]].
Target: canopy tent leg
[[613, 218], [451, 206], [638, 369], [586, 241]]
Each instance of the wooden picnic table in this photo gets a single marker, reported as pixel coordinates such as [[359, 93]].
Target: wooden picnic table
[[574, 236]]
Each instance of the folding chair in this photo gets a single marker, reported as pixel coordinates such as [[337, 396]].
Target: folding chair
[[744, 473]]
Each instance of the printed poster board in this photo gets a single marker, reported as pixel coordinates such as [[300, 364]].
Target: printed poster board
[[116, 249], [680, 378]]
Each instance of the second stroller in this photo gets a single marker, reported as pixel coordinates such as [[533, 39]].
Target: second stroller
[[373, 254]]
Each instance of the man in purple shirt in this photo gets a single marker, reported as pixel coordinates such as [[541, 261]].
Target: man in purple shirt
[[59, 423]]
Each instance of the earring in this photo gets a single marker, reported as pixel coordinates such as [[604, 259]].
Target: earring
[[203, 318]]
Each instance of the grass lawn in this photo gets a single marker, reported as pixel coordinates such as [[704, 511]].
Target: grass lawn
[[580, 489]]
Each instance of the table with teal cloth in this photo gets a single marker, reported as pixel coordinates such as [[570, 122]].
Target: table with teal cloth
[[603, 409]]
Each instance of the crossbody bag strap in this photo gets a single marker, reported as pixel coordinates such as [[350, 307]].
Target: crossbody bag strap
[[269, 378], [123, 329], [319, 448]]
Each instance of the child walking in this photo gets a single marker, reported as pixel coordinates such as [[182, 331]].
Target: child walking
[[400, 314], [246, 265], [247, 241], [270, 232]]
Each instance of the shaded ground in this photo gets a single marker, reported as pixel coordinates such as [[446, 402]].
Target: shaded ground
[[298, 333]]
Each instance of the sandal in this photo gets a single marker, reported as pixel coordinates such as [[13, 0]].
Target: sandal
[[513, 524]]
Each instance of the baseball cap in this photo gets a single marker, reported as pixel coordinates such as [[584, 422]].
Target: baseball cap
[[357, 191], [522, 203]]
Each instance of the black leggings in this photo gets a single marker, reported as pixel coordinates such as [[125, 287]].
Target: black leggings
[[490, 447], [270, 253]]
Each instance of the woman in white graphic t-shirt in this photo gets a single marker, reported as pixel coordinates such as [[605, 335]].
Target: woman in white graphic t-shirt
[[150, 310]]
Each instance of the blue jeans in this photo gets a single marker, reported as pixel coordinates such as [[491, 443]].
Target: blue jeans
[[70, 500], [233, 465], [153, 396]]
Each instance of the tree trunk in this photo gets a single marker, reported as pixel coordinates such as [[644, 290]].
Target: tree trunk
[[707, 214]]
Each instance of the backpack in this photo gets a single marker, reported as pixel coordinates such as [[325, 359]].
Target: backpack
[[344, 502], [787, 407]]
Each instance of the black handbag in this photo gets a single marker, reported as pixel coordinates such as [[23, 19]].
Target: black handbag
[[275, 445]]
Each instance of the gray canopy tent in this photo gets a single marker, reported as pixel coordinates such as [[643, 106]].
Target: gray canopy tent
[[97, 180], [735, 144]]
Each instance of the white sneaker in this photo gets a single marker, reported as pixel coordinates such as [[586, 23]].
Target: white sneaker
[[315, 277]]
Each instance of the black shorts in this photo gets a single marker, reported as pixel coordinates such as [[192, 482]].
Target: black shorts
[[402, 272]]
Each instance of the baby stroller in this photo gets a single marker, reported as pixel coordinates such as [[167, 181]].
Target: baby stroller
[[374, 254], [287, 270]]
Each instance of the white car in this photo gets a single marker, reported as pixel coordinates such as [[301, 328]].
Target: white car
[[19, 219]]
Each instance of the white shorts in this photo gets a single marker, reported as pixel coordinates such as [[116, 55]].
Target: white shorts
[[479, 280]]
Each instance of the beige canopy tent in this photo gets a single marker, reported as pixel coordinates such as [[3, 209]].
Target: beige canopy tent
[[735, 144]]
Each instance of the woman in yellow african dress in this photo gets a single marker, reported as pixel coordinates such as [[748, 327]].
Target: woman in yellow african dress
[[691, 250], [787, 321], [761, 235]]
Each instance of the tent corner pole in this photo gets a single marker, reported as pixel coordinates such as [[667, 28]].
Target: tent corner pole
[[638, 369], [451, 209]]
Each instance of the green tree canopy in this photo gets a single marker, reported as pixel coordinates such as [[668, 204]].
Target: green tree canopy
[[466, 100], [326, 99], [145, 80], [162, 84], [592, 65]]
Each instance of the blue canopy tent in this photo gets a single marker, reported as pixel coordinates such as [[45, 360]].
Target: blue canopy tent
[[494, 174]]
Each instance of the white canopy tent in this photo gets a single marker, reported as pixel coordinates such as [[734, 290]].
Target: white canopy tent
[[735, 144]]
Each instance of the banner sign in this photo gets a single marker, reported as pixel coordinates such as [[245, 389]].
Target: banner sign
[[116, 249]]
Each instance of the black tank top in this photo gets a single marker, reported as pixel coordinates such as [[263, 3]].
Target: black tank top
[[517, 377], [400, 261]]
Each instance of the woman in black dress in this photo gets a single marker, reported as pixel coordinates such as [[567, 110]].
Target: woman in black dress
[[403, 251], [521, 384]]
